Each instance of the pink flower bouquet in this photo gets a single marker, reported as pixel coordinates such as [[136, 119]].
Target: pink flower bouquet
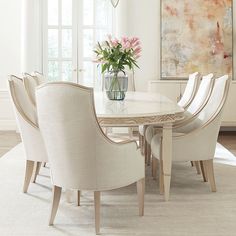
[[115, 55]]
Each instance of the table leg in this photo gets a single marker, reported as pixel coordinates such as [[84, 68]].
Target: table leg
[[167, 158]]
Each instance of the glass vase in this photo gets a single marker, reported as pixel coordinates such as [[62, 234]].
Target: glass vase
[[116, 85]]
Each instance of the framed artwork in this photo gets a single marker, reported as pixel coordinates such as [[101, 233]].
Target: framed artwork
[[196, 35]]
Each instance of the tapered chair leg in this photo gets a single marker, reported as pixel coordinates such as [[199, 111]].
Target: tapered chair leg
[[203, 169], [78, 198], [28, 175], [97, 200], [55, 203], [36, 171], [161, 177], [148, 153], [140, 143], [154, 167], [210, 175], [197, 165], [141, 192]]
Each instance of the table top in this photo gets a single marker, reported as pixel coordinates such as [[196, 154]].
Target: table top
[[138, 108]]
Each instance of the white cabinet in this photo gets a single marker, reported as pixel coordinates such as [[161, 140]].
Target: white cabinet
[[175, 89], [229, 114], [171, 89]]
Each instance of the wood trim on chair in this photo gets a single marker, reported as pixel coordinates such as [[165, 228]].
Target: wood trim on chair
[[28, 175], [55, 203], [141, 193], [97, 203]]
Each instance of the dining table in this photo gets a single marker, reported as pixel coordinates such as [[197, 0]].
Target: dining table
[[143, 108]]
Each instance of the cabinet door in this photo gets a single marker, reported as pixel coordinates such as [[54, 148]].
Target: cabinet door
[[169, 89], [229, 114]]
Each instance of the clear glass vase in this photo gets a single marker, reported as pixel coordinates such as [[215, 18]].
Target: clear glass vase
[[116, 85]]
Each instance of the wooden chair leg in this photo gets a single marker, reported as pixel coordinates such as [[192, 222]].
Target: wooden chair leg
[[141, 192], [203, 169], [78, 198], [161, 177], [210, 174], [197, 165], [154, 167], [36, 171], [192, 164], [28, 175], [148, 153], [140, 143], [55, 203], [97, 200]]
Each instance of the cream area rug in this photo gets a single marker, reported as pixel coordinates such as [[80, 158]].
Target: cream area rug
[[192, 210]]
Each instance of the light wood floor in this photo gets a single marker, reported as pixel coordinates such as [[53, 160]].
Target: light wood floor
[[9, 139]]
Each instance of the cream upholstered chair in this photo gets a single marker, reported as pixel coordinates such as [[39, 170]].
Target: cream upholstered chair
[[81, 157], [190, 91], [27, 120], [31, 81], [186, 100], [198, 142], [200, 100]]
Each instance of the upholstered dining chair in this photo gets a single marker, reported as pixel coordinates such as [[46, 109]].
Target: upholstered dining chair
[[186, 100], [201, 98], [81, 156], [26, 116], [31, 81], [198, 142], [190, 90]]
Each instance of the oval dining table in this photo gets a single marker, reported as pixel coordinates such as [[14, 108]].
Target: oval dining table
[[142, 108]]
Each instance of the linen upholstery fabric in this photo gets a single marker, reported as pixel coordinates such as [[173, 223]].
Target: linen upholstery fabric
[[199, 101], [30, 83], [26, 116], [189, 91], [200, 141], [81, 156]]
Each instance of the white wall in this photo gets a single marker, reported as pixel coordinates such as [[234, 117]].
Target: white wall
[[10, 56], [10, 41], [143, 21]]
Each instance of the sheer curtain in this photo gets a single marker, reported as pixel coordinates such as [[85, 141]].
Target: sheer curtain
[[31, 48]]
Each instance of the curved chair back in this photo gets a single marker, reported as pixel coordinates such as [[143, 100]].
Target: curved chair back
[[189, 91], [80, 155], [201, 137], [202, 95], [30, 83], [21, 100], [27, 120], [215, 105]]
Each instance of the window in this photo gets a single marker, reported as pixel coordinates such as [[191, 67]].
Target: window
[[71, 29]]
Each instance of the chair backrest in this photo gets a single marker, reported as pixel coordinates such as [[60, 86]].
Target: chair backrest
[[217, 100], [213, 107], [189, 91], [30, 83], [202, 95], [40, 77], [21, 100], [70, 131], [27, 120]]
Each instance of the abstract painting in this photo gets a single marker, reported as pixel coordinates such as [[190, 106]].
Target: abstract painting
[[196, 36]]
